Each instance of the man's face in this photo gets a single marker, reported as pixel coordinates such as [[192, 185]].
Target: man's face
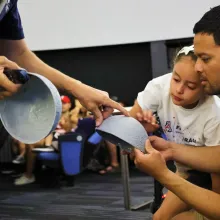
[[208, 62]]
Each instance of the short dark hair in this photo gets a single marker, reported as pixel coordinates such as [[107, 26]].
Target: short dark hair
[[210, 24]]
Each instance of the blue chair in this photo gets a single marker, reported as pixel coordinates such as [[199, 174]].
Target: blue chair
[[69, 157], [86, 126], [95, 138]]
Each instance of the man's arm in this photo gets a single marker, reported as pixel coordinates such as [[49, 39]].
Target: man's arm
[[206, 159], [215, 182], [18, 51], [89, 97], [204, 201]]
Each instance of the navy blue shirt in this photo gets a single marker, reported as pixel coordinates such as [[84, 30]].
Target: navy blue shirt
[[10, 22]]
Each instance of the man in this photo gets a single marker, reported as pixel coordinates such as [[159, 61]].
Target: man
[[15, 54], [205, 202]]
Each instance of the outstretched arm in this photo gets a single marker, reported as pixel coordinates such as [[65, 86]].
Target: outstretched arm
[[91, 98], [204, 201]]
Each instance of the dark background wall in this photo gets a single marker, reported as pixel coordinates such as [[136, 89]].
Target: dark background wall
[[122, 70], [163, 54]]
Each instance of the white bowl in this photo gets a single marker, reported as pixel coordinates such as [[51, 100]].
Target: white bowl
[[126, 132], [33, 112]]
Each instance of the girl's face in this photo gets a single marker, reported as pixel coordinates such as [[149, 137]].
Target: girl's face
[[66, 107], [185, 85]]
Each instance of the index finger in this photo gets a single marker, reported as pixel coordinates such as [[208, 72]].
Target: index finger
[[110, 103], [107, 111]]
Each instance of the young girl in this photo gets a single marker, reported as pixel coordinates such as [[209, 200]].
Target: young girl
[[187, 116]]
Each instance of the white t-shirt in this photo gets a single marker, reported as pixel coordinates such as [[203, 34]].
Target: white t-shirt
[[199, 126]]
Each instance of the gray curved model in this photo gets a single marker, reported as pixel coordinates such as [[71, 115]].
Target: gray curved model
[[123, 131], [32, 113]]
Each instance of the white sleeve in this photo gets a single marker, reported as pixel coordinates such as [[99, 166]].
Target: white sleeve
[[150, 98], [212, 132]]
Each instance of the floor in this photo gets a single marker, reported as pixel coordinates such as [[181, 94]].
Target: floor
[[93, 197]]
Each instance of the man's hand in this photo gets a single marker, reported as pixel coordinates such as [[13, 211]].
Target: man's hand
[[148, 120], [152, 163], [8, 88], [163, 146], [98, 102]]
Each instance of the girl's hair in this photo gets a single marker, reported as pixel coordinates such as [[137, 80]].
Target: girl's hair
[[185, 51]]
